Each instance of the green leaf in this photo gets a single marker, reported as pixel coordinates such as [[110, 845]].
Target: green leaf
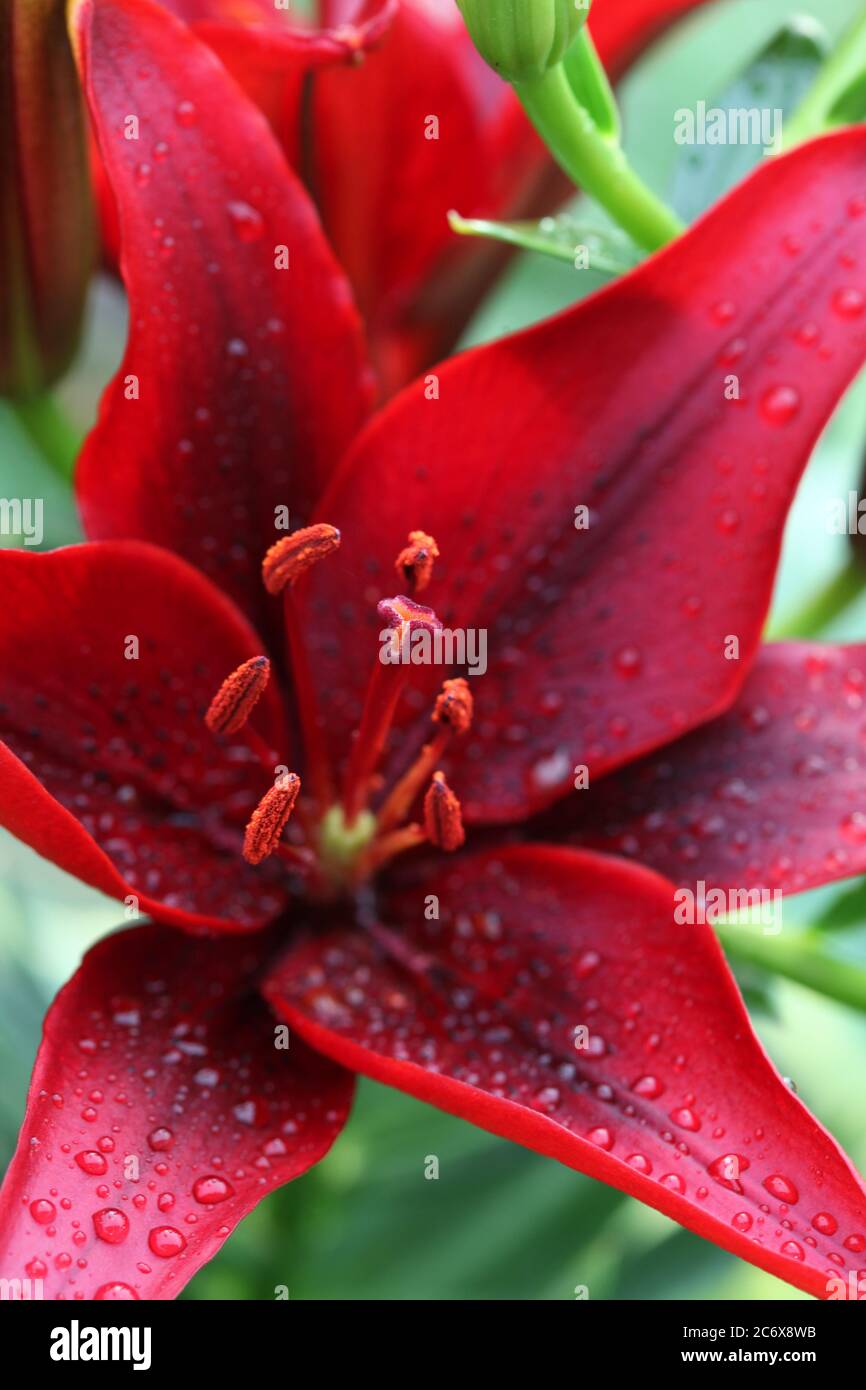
[[776, 80], [846, 911], [606, 251]]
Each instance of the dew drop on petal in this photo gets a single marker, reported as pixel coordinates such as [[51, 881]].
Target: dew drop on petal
[[825, 1223], [782, 1188], [166, 1242], [246, 222], [212, 1189], [92, 1162], [111, 1225], [780, 404]]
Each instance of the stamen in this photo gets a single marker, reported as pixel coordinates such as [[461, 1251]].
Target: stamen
[[454, 706], [402, 618], [270, 818], [294, 555], [453, 714], [443, 818], [415, 562], [238, 695], [283, 564]]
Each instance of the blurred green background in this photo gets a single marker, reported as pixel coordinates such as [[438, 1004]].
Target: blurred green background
[[499, 1222]]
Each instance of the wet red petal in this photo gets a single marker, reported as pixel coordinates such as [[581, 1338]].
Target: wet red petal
[[242, 381], [669, 1096], [162, 1109], [613, 629], [134, 794], [771, 795]]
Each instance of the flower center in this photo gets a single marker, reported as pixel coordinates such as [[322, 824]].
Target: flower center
[[337, 842]]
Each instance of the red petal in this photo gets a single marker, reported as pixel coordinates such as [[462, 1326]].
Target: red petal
[[386, 214], [773, 793], [161, 1111], [606, 642], [476, 1013], [137, 796], [250, 378], [270, 59], [622, 31]]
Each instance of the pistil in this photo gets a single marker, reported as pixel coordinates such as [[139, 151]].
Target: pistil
[[282, 567]]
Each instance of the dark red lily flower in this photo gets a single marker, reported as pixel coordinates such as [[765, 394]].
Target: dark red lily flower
[[544, 992], [383, 177]]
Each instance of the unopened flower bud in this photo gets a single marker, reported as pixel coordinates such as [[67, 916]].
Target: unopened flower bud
[[521, 39], [47, 235]]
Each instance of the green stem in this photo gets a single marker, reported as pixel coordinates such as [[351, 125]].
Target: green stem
[[825, 607], [800, 956], [844, 66], [593, 162], [48, 429], [590, 84]]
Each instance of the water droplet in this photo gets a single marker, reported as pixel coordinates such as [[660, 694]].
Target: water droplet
[[825, 1223], [793, 1250], [648, 1086], [586, 963], [213, 1189], [640, 1162], [92, 1162], [111, 1225], [723, 311], [781, 1187], [628, 661], [674, 1182], [546, 1099], [115, 1293], [166, 1242], [160, 1138], [602, 1137], [185, 113], [742, 1221], [848, 303], [726, 1169], [246, 222], [780, 404], [43, 1211], [686, 1118], [855, 1243]]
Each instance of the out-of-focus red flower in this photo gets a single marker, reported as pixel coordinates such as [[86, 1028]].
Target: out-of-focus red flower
[[548, 994], [393, 120]]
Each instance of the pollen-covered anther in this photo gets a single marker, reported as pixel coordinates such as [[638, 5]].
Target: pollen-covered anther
[[415, 561], [269, 819], [454, 706], [443, 818], [295, 554], [238, 695]]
